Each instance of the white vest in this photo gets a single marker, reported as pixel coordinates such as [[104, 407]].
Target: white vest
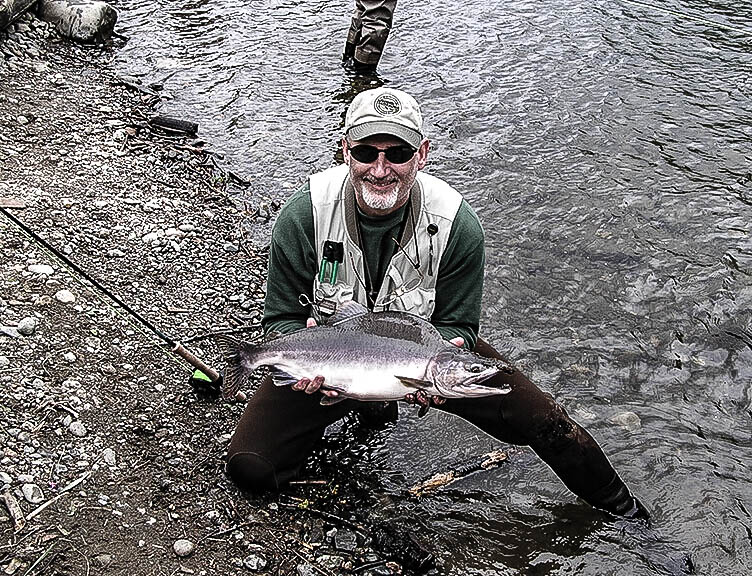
[[403, 289]]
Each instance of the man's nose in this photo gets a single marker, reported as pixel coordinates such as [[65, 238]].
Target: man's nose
[[380, 166]]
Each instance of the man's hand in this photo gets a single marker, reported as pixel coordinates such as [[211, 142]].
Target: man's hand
[[423, 399], [311, 386]]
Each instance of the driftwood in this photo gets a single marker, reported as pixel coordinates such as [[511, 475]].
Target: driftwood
[[484, 462], [10, 10], [175, 125]]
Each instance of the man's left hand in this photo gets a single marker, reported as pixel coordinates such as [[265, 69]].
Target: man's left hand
[[424, 400]]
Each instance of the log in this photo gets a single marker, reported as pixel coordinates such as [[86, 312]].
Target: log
[[10, 10], [175, 125]]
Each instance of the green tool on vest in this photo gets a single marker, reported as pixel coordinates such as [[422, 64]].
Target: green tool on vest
[[334, 253]]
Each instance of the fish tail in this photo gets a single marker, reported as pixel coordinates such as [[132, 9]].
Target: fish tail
[[235, 375]]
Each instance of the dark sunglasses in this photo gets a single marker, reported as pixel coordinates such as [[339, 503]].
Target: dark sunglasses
[[394, 154]]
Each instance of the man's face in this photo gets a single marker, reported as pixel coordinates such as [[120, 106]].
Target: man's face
[[381, 187]]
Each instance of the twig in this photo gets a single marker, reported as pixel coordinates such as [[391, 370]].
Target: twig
[[38, 560], [228, 531], [15, 511], [67, 488], [486, 461], [327, 515]]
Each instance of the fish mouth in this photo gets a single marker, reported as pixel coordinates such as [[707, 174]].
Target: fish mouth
[[473, 386]]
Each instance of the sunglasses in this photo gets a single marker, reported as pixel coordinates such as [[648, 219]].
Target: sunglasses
[[395, 154]]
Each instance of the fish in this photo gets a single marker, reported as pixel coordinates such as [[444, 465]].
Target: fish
[[366, 356]]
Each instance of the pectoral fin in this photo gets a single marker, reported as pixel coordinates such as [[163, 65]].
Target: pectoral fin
[[327, 401], [414, 382], [281, 378]]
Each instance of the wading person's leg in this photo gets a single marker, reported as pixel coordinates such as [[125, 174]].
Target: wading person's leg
[[528, 416], [276, 433], [369, 30]]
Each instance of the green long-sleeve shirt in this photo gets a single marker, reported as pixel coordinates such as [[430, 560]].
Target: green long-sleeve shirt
[[293, 266]]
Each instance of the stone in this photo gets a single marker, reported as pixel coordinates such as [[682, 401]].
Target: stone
[[183, 547], [627, 420], [41, 269], [83, 21], [32, 493], [65, 296], [345, 540], [108, 455], [27, 326], [69, 357], [4, 362], [255, 562], [77, 429]]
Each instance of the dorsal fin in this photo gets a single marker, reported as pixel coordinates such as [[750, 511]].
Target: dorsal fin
[[347, 311]]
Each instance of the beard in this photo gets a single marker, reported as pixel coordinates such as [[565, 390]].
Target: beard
[[380, 201]]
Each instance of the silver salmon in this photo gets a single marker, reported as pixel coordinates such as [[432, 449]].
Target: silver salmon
[[367, 356]]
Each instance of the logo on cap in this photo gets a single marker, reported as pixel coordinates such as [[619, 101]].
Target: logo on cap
[[387, 105]]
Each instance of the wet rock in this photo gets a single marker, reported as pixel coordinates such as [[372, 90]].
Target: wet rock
[[345, 540], [32, 493], [103, 560], [306, 570], [27, 326], [85, 22], [627, 420], [183, 548], [69, 357], [4, 362], [330, 562], [65, 296]]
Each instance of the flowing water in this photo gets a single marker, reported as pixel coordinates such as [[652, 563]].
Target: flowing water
[[607, 148]]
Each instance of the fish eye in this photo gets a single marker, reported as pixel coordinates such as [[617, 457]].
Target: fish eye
[[474, 368]]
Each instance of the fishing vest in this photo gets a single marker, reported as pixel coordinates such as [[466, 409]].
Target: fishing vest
[[434, 206]]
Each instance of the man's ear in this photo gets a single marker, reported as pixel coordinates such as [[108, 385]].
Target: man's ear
[[345, 151], [423, 154]]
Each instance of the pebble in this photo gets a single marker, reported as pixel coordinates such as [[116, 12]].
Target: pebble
[[108, 455], [32, 493], [41, 269], [4, 362], [65, 296], [306, 570], [69, 357], [183, 547], [5, 478], [627, 420], [255, 562], [77, 429], [27, 326], [345, 540]]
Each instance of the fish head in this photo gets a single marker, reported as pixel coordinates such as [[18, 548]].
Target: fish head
[[459, 373]]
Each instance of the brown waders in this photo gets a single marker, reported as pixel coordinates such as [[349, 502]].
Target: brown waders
[[369, 29], [279, 428]]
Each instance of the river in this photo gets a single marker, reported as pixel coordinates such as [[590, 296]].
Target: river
[[607, 149]]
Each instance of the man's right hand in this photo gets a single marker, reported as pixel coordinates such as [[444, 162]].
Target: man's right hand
[[311, 386]]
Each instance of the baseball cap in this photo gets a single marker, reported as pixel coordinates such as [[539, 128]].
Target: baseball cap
[[385, 111]]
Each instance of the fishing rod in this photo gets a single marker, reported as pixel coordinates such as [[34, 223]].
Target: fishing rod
[[203, 373]]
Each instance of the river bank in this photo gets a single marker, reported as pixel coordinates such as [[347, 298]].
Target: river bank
[[111, 463]]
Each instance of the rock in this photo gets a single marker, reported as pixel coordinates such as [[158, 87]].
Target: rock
[[627, 420], [183, 548], [27, 326], [255, 562], [5, 478], [345, 540], [4, 362], [330, 563], [65, 296], [306, 570], [41, 269], [103, 560], [77, 429], [32, 493], [108, 455], [86, 22], [69, 357]]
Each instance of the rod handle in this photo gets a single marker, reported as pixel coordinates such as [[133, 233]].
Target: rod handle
[[189, 357]]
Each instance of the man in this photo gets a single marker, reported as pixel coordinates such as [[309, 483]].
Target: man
[[369, 29], [404, 241]]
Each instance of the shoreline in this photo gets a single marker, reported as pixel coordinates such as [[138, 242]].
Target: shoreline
[[100, 427]]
